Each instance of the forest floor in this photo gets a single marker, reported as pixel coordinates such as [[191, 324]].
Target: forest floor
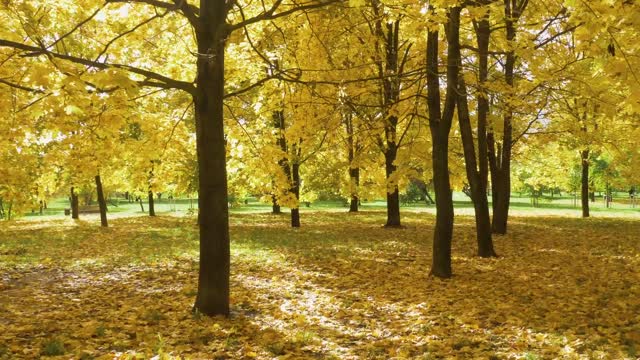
[[340, 287]]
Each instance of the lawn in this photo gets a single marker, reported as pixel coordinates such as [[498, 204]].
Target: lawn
[[340, 287]]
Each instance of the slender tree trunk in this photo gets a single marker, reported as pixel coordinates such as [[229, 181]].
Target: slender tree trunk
[[152, 210], [501, 161], [295, 211], [101, 202], [74, 204], [584, 155], [476, 166], [393, 195], [213, 278], [354, 174], [440, 126], [429, 198], [141, 203]]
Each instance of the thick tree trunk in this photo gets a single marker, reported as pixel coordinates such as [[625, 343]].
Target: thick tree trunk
[[354, 174], [502, 189], [152, 210], [295, 211], [443, 232], [275, 208], [391, 93], [213, 219], [440, 126], [101, 202], [74, 204]]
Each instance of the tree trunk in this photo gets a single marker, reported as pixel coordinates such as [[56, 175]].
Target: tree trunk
[[295, 211], [501, 160], [476, 166], [441, 265], [391, 92], [213, 278], [141, 204], [74, 204], [584, 155], [393, 197], [152, 210], [440, 126], [354, 174], [275, 208], [101, 202]]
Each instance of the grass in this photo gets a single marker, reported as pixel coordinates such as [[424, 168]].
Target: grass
[[342, 286], [521, 205]]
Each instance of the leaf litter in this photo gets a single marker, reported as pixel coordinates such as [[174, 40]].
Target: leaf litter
[[562, 288]]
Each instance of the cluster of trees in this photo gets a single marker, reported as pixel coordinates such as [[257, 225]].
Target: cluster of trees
[[294, 99]]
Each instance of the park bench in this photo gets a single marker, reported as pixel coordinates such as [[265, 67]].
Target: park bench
[[89, 209]]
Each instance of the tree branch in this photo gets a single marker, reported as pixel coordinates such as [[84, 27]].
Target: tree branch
[[271, 13], [159, 80], [21, 87]]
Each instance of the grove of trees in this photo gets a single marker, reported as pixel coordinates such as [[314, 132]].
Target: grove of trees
[[296, 100]]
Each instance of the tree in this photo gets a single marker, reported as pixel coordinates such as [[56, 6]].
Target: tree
[[440, 125], [211, 29], [476, 165]]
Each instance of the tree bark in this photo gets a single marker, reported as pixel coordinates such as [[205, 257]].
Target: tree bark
[[354, 175], [440, 126], [391, 94], [476, 166], [74, 204], [152, 210], [393, 196], [295, 189], [354, 172], [213, 278], [500, 156], [275, 208], [101, 202], [584, 155]]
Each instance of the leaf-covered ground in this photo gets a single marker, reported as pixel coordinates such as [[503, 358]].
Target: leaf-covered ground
[[341, 287]]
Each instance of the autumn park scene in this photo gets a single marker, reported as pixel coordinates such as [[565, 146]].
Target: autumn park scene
[[319, 179]]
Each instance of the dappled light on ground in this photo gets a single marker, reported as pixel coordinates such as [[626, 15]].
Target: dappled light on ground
[[562, 288]]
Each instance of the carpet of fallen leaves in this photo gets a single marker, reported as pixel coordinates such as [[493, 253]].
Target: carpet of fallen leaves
[[341, 287]]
